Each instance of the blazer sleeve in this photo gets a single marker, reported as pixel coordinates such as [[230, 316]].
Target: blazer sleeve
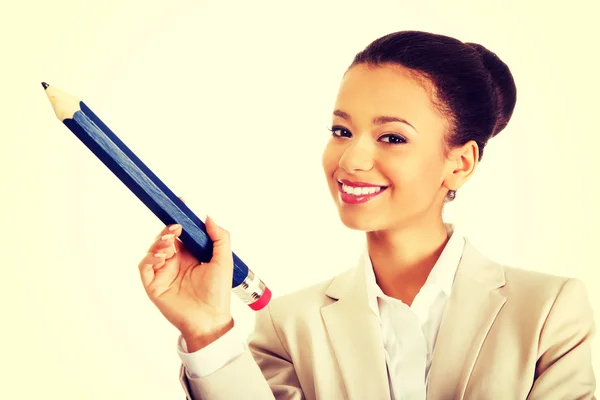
[[263, 372], [564, 366]]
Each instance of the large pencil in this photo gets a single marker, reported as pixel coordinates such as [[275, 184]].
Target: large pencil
[[78, 117]]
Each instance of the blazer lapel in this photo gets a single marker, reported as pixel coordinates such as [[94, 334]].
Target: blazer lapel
[[356, 339], [471, 310]]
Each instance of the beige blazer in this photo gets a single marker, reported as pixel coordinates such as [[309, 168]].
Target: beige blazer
[[506, 333]]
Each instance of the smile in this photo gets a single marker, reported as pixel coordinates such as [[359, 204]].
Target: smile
[[358, 193]]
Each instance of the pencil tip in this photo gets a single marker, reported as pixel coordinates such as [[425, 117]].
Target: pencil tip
[[45, 85]]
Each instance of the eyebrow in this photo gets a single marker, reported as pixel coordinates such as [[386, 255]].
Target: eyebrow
[[380, 120]]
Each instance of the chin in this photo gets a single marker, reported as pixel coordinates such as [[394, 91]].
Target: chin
[[358, 222]]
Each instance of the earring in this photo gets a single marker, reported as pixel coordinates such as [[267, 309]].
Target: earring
[[451, 195]]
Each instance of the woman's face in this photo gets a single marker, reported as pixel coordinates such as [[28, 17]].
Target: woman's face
[[387, 147]]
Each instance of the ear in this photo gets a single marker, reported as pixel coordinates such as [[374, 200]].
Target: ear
[[461, 164]]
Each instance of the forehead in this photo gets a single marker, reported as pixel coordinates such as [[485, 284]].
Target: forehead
[[369, 91]]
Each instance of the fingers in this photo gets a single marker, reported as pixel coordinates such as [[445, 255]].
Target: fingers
[[146, 274], [165, 245], [155, 259], [149, 264], [162, 249], [173, 228], [156, 274]]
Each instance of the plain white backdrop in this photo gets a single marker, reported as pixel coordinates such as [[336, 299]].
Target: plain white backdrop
[[228, 103]]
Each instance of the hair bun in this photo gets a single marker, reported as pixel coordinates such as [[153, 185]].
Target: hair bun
[[504, 89]]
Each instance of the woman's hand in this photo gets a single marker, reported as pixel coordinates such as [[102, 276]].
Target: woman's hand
[[195, 297]]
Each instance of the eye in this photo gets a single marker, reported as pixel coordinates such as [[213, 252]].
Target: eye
[[392, 139], [339, 131]]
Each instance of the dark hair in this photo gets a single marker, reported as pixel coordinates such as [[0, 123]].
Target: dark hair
[[473, 88]]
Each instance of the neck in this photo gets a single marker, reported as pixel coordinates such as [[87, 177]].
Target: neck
[[403, 258]]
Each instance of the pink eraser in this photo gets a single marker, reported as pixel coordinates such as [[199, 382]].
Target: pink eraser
[[262, 301]]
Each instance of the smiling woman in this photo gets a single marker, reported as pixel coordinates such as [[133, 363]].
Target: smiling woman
[[407, 158], [423, 314]]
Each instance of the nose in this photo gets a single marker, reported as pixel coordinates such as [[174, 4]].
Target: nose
[[358, 156]]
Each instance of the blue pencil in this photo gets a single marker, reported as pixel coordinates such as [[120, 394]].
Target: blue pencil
[[151, 190]]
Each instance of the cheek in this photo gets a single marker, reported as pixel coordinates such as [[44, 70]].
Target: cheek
[[329, 160], [415, 172]]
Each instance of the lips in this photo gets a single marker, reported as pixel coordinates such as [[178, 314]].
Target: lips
[[358, 192]]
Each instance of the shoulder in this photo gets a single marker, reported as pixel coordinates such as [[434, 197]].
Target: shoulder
[[516, 282], [530, 284], [555, 313], [546, 293], [532, 297]]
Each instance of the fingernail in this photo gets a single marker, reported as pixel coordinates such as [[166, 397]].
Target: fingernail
[[160, 255], [167, 236], [174, 227]]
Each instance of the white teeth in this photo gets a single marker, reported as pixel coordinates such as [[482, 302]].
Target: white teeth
[[360, 191]]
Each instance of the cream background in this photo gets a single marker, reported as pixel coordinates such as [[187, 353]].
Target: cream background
[[227, 102]]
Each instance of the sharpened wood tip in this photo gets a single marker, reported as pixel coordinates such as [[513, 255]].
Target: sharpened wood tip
[[45, 85]]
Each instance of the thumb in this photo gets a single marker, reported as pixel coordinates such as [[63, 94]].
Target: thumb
[[221, 242]]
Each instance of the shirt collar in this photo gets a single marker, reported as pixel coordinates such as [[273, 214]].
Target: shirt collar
[[441, 276]]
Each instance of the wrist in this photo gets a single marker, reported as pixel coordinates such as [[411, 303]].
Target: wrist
[[198, 339]]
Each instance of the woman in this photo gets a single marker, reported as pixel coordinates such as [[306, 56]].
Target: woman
[[423, 314]]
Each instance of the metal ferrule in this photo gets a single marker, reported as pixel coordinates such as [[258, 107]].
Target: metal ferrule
[[251, 289]]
